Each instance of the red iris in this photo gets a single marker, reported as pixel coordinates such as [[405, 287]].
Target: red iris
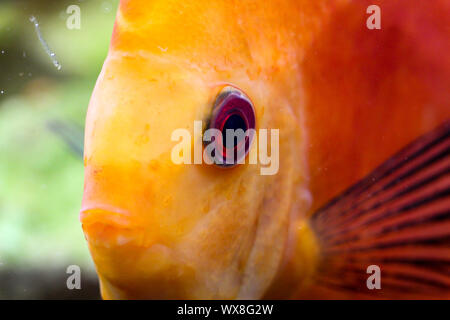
[[234, 116]]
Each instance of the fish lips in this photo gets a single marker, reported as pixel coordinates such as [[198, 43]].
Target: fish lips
[[106, 225]]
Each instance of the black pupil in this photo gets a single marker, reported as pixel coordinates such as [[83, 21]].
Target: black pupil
[[234, 122]]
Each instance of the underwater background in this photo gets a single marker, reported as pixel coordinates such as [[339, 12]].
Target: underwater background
[[42, 112]]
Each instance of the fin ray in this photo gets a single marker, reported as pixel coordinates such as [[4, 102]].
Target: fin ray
[[398, 218]]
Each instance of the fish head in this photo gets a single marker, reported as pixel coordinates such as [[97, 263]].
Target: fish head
[[158, 229]]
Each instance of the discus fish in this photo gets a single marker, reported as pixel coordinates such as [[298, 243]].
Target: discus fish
[[364, 151]]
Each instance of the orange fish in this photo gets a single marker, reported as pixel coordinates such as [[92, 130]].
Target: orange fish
[[364, 151]]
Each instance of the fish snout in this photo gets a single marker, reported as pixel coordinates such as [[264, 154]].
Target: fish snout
[[107, 226], [104, 214], [132, 263]]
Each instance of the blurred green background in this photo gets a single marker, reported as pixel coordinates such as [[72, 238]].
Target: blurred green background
[[42, 112]]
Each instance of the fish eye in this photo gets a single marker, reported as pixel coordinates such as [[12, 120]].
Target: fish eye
[[234, 116]]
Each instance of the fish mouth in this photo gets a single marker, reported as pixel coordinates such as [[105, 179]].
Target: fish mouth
[[130, 261], [108, 225], [105, 214]]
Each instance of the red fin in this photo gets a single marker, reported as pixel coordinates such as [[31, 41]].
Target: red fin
[[398, 218]]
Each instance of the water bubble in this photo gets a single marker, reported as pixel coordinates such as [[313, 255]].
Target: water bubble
[[106, 7], [44, 43]]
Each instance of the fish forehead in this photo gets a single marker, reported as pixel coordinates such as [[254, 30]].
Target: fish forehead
[[219, 33], [136, 105]]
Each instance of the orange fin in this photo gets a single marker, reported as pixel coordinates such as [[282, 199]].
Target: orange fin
[[397, 218]]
